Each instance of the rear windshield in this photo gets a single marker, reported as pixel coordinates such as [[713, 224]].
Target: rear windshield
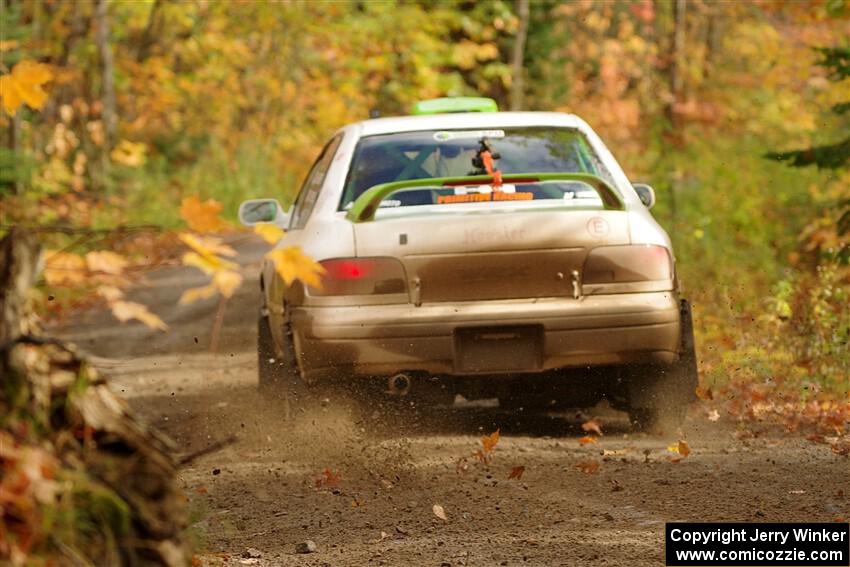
[[450, 153]]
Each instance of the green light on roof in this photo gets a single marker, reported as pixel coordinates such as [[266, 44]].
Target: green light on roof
[[455, 104]]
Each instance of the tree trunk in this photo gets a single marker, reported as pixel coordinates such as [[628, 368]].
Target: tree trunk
[[19, 252], [518, 56], [151, 29], [107, 90], [677, 45]]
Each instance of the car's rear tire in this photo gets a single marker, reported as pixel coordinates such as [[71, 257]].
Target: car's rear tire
[[278, 376], [659, 395]]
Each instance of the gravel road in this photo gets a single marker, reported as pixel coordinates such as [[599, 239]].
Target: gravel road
[[362, 481]]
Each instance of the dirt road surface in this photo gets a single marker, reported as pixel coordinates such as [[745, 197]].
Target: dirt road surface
[[362, 482]]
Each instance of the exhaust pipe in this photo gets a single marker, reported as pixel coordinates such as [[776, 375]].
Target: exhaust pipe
[[398, 385]]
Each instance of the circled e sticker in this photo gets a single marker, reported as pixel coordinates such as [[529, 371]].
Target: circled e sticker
[[598, 227]]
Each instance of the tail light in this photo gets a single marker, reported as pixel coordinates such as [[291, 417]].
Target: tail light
[[625, 264], [361, 276]]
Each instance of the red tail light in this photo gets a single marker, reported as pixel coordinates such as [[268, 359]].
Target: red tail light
[[361, 276], [624, 264]]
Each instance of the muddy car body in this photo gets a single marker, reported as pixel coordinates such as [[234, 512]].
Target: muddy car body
[[437, 273]]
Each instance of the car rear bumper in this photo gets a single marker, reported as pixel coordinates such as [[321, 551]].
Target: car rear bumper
[[385, 339]]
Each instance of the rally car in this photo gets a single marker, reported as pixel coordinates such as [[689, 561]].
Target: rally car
[[482, 253]]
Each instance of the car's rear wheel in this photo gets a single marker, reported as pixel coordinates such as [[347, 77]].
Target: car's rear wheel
[[278, 375], [659, 395]]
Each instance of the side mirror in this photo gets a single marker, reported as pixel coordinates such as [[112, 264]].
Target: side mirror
[[645, 193], [263, 210]]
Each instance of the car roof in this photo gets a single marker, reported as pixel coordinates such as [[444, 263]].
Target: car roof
[[458, 120]]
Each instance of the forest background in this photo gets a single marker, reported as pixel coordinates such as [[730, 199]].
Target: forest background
[[116, 112]]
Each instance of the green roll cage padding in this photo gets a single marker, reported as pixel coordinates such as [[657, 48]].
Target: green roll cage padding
[[366, 205]]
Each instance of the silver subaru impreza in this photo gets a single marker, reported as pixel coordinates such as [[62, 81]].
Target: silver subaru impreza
[[483, 253]]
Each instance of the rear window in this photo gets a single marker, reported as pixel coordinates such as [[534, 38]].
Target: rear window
[[449, 153]]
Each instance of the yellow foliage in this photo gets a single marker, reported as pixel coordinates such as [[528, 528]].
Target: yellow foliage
[[291, 264], [131, 154], [269, 232], [24, 86], [106, 262], [127, 310], [63, 268], [202, 216]]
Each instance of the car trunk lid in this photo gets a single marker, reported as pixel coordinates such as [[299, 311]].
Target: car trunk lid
[[454, 256]]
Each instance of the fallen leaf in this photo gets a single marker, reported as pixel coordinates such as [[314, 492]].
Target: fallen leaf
[[202, 216], [328, 479], [589, 467], [841, 447], [439, 512], [681, 448], [269, 232], [110, 293], [126, 310], [587, 439], [713, 415], [592, 425], [64, 268], [106, 262], [202, 490], [489, 442], [292, 264], [516, 472]]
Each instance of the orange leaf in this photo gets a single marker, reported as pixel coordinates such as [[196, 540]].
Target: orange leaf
[[202, 490], [328, 479], [589, 467], [64, 268], [516, 472], [587, 439], [681, 448], [24, 86], [202, 217], [490, 441], [592, 425]]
